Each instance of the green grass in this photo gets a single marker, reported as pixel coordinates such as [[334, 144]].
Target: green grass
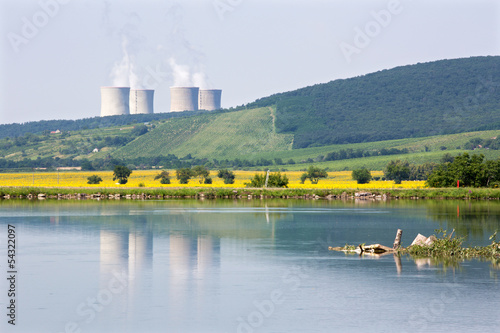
[[223, 135]]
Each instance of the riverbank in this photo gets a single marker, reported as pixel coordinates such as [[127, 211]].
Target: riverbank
[[243, 193]]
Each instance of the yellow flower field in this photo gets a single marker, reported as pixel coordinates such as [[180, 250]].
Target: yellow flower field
[[339, 179]]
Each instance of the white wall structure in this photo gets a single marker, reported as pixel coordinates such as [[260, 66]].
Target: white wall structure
[[184, 99], [141, 101], [209, 99], [114, 101]]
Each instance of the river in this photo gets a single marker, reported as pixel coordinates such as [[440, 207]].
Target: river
[[242, 266]]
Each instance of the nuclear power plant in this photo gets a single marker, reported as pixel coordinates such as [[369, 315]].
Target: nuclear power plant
[[194, 98], [184, 99], [114, 101], [209, 99], [117, 101], [141, 101]]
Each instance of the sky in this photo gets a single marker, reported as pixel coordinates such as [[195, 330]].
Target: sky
[[56, 54]]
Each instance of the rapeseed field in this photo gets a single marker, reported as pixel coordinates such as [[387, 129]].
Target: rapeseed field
[[138, 178]]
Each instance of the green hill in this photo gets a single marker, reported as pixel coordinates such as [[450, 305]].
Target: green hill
[[215, 135], [441, 97]]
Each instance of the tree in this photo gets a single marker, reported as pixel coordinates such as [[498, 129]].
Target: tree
[[94, 179], [275, 180], [258, 180], [139, 130], [314, 174], [397, 171], [164, 177], [362, 176], [121, 173], [469, 170], [202, 173], [184, 174], [227, 175]]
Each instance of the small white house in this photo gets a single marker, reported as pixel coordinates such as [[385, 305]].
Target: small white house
[[95, 150]]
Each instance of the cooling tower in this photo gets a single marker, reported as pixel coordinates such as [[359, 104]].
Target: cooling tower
[[209, 99], [183, 99], [141, 101], [114, 101]]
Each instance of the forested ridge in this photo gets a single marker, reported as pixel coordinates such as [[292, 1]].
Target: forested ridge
[[441, 97]]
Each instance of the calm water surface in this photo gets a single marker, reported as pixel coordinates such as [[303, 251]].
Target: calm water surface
[[243, 266]]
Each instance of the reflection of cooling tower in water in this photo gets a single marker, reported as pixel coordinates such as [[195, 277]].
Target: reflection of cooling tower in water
[[207, 250], [114, 251], [139, 252]]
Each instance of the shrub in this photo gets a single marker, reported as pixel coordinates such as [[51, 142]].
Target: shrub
[[362, 176], [164, 177], [227, 175], [94, 179]]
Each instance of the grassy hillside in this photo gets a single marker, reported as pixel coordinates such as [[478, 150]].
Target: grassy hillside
[[219, 135]]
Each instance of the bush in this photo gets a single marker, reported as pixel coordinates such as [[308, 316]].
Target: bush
[[208, 180], [275, 180], [142, 185], [362, 176], [164, 177], [94, 179], [227, 175]]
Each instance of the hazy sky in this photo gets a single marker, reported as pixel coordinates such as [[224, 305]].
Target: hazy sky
[[56, 54]]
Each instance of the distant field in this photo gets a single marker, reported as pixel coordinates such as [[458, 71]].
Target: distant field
[[335, 180]]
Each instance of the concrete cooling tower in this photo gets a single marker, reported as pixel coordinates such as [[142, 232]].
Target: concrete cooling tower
[[141, 101], [184, 99], [114, 101], [209, 99]]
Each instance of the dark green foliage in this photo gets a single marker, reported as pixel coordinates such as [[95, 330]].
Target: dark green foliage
[[441, 97], [139, 130], [207, 180], [94, 179], [275, 180], [86, 165], [121, 173], [471, 171], [46, 126], [397, 170], [202, 173], [184, 174], [362, 176], [258, 180], [164, 177], [314, 174], [474, 143], [227, 175]]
